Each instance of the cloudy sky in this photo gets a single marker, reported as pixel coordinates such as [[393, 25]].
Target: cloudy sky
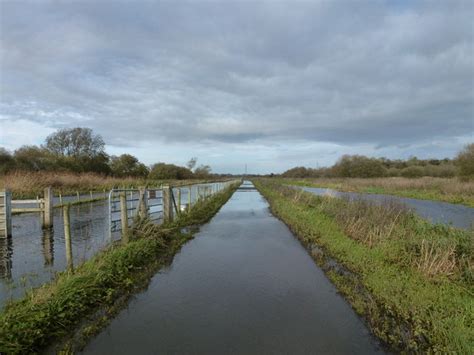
[[272, 84]]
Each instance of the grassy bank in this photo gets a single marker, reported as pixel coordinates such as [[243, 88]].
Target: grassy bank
[[411, 280], [54, 310], [26, 185], [450, 190]]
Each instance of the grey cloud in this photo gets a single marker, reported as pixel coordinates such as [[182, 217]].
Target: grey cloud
[[343, 72]]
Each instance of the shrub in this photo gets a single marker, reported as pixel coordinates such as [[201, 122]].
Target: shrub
[[465, 161], [359, 166], [413, 172]]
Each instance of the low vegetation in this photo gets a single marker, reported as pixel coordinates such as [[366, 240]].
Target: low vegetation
[[412, 281], [55, 309], [427, 188]]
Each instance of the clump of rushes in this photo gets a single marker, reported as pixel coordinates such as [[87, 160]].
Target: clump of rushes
[[412, 281], [54, 310]]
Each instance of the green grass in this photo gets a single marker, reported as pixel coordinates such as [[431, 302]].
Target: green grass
[[446, 190], [54, 310], [412, 281]]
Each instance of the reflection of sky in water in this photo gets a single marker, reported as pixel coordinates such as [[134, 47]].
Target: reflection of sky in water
[[243, 285], [435, 211], [32, 256]]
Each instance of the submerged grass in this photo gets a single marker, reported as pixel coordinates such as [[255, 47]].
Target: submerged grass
[[52, 311], [450, 190], [411, 280]]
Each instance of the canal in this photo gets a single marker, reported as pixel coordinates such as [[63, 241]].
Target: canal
[[243, 285]]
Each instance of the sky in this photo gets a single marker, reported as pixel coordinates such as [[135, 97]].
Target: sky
[[270, 84]]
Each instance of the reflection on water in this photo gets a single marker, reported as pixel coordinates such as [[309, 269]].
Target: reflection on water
[[435, 211], [32, 256], [48, 246], [243, 285], [5, 258]]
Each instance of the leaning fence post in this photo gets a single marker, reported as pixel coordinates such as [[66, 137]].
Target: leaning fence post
[[167, 204], [78, 197], [48, 208], [5, 214], [124, 216], [67, 237]]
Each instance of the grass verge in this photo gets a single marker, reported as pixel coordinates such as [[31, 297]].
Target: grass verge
[[450, 190], [411, 280], [54, 310]]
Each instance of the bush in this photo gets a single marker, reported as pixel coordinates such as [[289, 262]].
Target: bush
[[413, 172], [162, 171], [359, 166], [6, 161], [465, 161]]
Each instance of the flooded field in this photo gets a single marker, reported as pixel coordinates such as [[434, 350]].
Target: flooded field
[[435, 211], [243, 285], [32, 256]]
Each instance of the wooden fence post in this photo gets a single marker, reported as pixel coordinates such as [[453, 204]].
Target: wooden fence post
[[167, 204], [124, 216], [142, 202], [67, 237], [5, 214], [190, 199], [178, 203], [48, 208]]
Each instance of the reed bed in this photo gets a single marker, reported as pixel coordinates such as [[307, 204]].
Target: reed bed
[[31, 184]]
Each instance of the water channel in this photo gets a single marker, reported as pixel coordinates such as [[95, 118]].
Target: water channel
[[243, 285]]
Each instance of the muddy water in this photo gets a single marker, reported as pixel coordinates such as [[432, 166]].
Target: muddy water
[[244, 285], [435, 211]]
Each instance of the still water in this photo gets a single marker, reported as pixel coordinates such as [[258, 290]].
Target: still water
[[243, 285], [33, 256], [434, 211]]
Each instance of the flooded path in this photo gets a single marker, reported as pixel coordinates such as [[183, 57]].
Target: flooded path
[[244, 285], [459, 216]]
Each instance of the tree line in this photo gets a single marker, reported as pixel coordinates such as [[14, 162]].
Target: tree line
[[80, 150], [364, 167]]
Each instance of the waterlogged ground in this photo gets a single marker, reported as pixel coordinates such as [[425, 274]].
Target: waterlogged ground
[[434, 211], [33, 256], [243, 285]]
